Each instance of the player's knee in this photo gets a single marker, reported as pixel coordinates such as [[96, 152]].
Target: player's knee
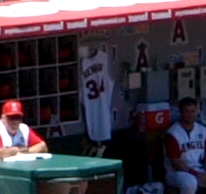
[[190, 183]]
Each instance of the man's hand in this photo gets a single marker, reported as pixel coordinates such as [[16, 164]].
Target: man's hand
[[202, 179], [23, 149]]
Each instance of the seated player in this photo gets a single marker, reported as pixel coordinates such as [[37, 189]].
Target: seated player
[[17, 137], [185, 150]]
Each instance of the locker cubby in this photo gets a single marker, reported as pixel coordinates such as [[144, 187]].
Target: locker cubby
[[7, 56], [31, 110], [47, 51], [42, 72], [68, 80], [26, 86], [67, 49], [26, 53], [69, 107], [48, 81], [48, 107], [8, 85]]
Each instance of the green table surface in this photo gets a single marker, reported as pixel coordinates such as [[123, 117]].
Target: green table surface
[[60, 166]]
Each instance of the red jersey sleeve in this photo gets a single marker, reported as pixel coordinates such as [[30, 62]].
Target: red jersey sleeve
[[171, 147], [33, 138], [1, 143]]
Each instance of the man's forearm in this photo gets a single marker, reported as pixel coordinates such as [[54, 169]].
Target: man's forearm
[[6, 152], [181, 166], [38, 148], [11, 151]]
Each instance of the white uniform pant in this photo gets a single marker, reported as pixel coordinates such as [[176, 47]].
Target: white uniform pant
[[185, 182]]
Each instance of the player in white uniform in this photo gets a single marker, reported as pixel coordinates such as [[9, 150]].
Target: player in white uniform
[[97, 95], [185, 150]]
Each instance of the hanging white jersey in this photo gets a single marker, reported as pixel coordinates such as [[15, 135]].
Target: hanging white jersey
[[97, 94]]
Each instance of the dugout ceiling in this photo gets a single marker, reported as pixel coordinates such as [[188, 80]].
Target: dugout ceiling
[[27, 18]]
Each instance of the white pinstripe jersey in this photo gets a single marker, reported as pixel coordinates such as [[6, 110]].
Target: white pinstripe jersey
[[97, 94]]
